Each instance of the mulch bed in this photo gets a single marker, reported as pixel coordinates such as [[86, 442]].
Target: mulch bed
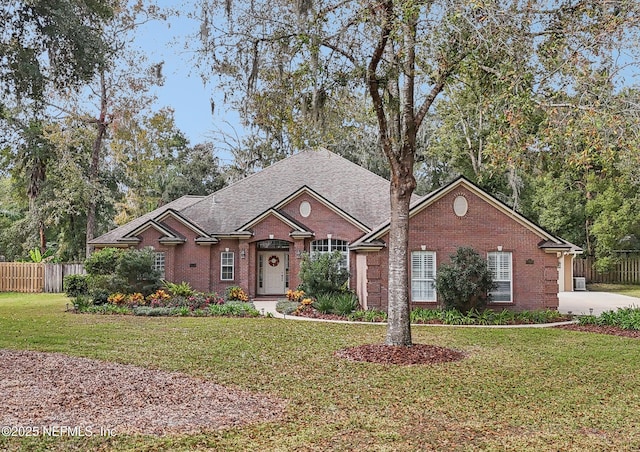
[[612, 330], [405, 356], [51, 389]]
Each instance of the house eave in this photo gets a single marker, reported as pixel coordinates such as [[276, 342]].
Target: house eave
[[233, 235], [301, 234], [206, 241]]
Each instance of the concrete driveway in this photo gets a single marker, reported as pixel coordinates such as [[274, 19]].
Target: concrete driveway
[[582, 302]]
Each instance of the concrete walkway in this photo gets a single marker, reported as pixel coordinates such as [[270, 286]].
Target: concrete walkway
[[583, 302]]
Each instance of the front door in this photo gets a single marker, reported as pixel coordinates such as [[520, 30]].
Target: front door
[[272, 272]]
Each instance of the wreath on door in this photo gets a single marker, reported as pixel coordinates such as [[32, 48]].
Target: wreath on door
[[274, 261]]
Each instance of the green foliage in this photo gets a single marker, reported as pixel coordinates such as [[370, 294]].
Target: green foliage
[[345, 303], [103, 262], [324, 303], [464, 284], [286, 307], [36, 256], [152, 312], [114, 270], [137, 268], [369, 315], [339, 303], [101, 286], [485, 317], [76, 285], [182, 289], [82, 302], [235, 293], [323, 273], [234, 309], [625, 318]]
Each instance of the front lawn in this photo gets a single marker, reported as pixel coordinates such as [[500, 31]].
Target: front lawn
[[632, 290], [517, 389]]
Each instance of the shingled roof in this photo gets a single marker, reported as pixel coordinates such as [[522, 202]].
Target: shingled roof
[[353, 189]]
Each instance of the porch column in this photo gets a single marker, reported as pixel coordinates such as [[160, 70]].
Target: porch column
[[295, 258]]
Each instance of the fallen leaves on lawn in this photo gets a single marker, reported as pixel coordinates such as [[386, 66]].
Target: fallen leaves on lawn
[[52, 389]]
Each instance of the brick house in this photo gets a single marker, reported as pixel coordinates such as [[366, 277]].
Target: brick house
[[254, 232]]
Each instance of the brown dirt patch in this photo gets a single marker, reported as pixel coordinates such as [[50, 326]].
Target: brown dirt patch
[[612, 330], [52, 389], [405, 356]]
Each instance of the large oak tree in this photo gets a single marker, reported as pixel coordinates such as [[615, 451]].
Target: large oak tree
[[402, 55]]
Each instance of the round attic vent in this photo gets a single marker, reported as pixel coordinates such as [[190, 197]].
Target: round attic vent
[[460, 206], [305, 209]]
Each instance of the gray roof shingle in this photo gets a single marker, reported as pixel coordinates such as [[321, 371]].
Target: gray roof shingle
[[357, 191], [350, 187]]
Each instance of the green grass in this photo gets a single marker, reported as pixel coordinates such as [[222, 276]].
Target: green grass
[[632, 290], [518, 389]]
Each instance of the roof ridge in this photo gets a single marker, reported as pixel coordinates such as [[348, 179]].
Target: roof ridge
[[233, 184], [355, 164]]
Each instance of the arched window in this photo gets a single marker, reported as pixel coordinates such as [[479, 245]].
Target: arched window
[[329, 246]]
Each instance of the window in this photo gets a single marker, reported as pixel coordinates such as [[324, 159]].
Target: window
[[423, 275], [158, 263], [226, 266], [331, 245], [500, 266]]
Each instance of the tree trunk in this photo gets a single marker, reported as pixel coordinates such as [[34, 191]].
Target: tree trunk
[[94, 166], [399, 322]]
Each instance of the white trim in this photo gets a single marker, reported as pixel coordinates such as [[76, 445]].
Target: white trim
[[424, 256], [150, 224], [276, 214], [433, 197], [223, 266], [184, 221], [335, 209], [499, 272]]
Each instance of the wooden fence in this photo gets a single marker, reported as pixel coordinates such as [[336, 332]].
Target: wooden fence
[[30, 278], [21, 277], [626, 271]]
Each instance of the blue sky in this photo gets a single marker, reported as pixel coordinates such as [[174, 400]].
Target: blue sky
[[184, 90]]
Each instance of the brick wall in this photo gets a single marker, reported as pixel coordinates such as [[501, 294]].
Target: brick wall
[[322, 221], [483, 228]]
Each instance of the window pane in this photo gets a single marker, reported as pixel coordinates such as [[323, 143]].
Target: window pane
[[159, 263], [226, 265], [423, 271], [500, 266]]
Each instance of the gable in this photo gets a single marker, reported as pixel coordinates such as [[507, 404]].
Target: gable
[[359, 193], [316, 212], [483, 214]]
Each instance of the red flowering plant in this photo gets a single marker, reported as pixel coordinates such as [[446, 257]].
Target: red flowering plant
[[159, 299], [135, 299]]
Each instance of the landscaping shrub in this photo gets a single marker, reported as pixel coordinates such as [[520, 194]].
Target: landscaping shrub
[[323, 274], [324, 303], [625, 318], [103, 262], [370, 315], [464, 284], [286, 307], [75, 285], [234, 309], [345, 303], [112, 270], [235, 293], [101, 286], [137, 268], [182, 289], [152, 312]]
